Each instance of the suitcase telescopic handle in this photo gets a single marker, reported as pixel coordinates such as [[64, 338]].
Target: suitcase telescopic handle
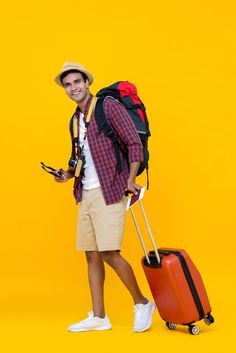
[[149, 232]]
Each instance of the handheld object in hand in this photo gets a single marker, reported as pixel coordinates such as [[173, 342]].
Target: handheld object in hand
[[53, 171], [134, 198]]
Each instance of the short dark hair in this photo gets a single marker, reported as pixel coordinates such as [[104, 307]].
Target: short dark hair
[[64, 74]]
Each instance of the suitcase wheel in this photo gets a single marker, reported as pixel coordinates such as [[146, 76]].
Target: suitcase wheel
[[171, 325], [193, 329], [209, 319]]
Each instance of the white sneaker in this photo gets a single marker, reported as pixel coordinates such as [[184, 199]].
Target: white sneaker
[[143, 316], [92, 323]]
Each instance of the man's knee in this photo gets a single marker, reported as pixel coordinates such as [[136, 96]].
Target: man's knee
[[110, 257], [93, 256]]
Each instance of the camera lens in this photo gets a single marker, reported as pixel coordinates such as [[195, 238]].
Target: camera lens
[[72, 162]]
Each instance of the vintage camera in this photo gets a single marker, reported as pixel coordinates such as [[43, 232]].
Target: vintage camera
[[78, 164], [73, 162]]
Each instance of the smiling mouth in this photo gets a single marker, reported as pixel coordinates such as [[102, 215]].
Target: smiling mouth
[[75, 93]]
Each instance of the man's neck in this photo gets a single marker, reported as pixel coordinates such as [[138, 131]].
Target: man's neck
[[82, 104]]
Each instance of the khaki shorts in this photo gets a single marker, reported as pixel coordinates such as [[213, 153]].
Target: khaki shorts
[[100, 226]]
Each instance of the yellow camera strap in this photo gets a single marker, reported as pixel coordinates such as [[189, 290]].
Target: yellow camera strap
[[76, 125]]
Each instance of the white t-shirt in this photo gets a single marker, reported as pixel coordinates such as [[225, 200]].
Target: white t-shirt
[[90, 178]]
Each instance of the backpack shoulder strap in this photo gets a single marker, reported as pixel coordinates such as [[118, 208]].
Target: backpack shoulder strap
[[105, 127]]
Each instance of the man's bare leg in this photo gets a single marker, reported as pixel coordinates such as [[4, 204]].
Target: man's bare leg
[[126, 274], [96, 274]]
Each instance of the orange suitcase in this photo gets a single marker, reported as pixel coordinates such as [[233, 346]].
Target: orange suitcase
[[176, 284]]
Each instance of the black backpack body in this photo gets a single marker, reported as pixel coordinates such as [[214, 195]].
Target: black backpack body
[[126, 93]]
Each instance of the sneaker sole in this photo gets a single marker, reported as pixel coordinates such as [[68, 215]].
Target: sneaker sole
[[149, 322], [102, 328]]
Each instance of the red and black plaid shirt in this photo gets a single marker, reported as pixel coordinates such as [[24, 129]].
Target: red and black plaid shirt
[[113, 183]]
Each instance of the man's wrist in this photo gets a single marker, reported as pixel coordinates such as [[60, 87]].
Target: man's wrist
[[70, 172], [133, 171]]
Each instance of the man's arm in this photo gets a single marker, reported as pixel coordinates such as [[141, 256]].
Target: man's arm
[[124, 126], [131, 185], [125, 129]]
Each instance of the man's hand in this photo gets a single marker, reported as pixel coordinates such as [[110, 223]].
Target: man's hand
[[64, 176], [133, 187]]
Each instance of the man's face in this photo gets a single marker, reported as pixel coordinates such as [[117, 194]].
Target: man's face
[[75, 86]]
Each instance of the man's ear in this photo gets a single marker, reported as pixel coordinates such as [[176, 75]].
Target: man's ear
[[87, 83]]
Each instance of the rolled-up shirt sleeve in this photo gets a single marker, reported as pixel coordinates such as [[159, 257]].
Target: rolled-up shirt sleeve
[[125, 129]]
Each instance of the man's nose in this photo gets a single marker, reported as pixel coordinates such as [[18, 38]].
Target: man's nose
[[73, 87]]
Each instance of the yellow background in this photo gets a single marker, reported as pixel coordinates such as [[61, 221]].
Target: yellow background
[[181, 56]]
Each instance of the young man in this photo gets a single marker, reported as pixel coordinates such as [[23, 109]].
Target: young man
[[101, 193]]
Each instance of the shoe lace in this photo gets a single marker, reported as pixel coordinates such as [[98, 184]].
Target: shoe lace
[[90, 316]]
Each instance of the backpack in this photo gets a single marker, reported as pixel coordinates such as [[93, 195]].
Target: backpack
[[126, 93]]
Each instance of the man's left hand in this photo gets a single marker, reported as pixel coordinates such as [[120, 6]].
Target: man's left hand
[[133, 187]]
